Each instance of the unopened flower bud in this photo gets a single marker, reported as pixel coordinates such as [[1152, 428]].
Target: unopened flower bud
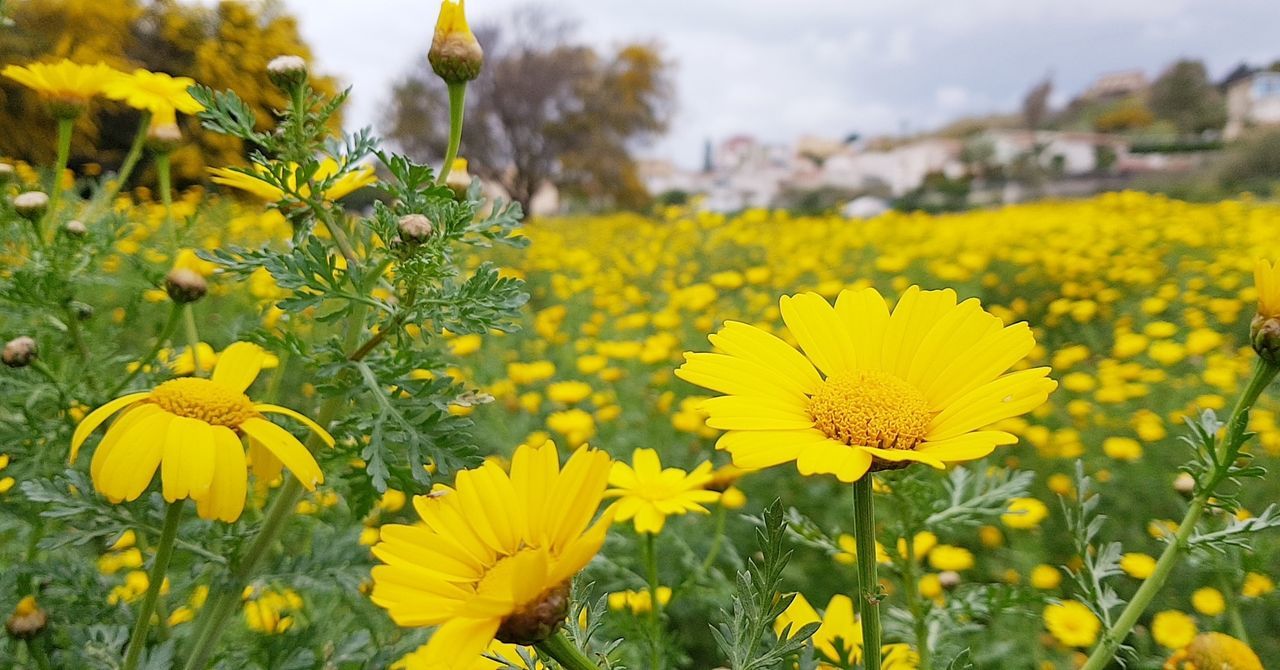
[[185, 286], [31, 205], [1264, 334], [949, 579], [1184, 484], [27, 619], [19, 352], [459, 180], [537, 621], [6, 172], [75, 228], [455, 53], [164, 137], [287, 72], [415, 228]]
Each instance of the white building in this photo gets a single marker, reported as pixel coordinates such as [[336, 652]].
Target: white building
[[1074, 153], [898, 169], [1252, 100]]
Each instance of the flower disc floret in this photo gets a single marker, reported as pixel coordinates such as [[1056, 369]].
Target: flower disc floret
[[203, 400], [870, 408]]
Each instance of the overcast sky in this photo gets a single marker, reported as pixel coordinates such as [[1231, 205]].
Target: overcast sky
[[778, 69]]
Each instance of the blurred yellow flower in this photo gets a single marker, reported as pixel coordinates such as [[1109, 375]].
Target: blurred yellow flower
[[1208, 601], [1072, 624], [345, 185], [154, 92], [1266, 278], [947, 557], [1214, 651], [1024, 513], [1046, 577], [1173, 629], [64, 82], [1138, 566], [647, 493]]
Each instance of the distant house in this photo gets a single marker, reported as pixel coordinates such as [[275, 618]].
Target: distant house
[[896, 170], [1253, 99], [1074, 153]]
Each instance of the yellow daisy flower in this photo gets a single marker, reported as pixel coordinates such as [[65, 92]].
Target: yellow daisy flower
[[1215, 651], [649, 494], [154, 92], [509, 653], [839, 625], [873, 390], [63, 82], [344, 186], [1173, 629], [191, 429], [1072, 623], [494, 555]]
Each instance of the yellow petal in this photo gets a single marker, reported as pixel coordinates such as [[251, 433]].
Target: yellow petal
[[819, 331], [97, 416], [299, 417], [226, 496], [188, 463], [288, 449], [238, 365]]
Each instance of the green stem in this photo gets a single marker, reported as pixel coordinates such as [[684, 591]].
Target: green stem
[[1230, 448], [175, 315], [911, 586], [570, 657], [655, 607], [126, 169], [1234, 619], [868, 584], [65, 126], [457, 105], [193, 338], [164, 550], [166, 199], [38, 655], [716, 542]]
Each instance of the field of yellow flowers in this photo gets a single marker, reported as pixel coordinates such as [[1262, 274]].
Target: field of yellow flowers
[[258, 429]]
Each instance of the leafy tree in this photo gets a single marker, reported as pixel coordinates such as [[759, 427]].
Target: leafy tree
[[545, 109], [1130, 114], [225, 46], [1184, 96]]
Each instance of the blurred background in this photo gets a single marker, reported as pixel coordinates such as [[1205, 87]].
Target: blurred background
[[809, 105]]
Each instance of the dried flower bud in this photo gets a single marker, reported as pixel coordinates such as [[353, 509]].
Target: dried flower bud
[[455, 53], [537, 621], [27, 619], [287, 72], [415, 228], [19, 352], [75, 228], [1184, 484], [163, 137], [459, 180], [185, 286], [31, 205], [949, 579]]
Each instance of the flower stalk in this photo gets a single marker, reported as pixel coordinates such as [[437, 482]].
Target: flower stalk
[[868, 583], [1229, 447], [919, 611], [655, 606], [65, 126], [560, 648], [164, 551], [457, 106]]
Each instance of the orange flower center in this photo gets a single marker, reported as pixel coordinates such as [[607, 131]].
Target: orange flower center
[[870, 408], [203, 400]]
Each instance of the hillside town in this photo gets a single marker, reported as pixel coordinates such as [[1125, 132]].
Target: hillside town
[[999, 163]]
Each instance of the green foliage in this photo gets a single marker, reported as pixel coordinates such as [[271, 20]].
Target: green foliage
[[758, 601]]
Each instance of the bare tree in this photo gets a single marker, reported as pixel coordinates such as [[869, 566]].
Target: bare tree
[[1035, 106]]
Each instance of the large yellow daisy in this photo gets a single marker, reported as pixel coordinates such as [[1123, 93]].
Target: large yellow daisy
[[345, 185], [494, 554], [154, 92], [64, 81], [191, 428], [872, 389]]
